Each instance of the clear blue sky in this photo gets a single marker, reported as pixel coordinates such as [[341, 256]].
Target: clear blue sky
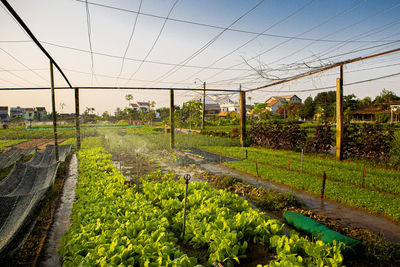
[[219, 42]]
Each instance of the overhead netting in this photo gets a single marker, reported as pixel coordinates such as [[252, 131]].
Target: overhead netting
[[21, 192], [47, 157], [11, 156]]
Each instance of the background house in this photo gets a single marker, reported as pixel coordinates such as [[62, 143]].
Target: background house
[[141, 106], [274, 103], [40, 113], [212, 108], [4, 114], [16, 112], [28, 114]]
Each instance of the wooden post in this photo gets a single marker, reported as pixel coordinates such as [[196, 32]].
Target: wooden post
[[257, 169], [363, 181], [287, 167], [323, 185], [77, 122], [171, 118], [391, 115], [54, 113], [242, 116], [203, 115], [339, 115]]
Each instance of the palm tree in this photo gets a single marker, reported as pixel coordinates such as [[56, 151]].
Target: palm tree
[[249, 98], [62, 105], [128, 98], [152, 104]]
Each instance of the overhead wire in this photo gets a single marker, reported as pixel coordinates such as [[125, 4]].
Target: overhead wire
[[21, 63], [154, 43], [89, 32], [129, 42], [334, 86], [204, 47], [255, 37], [211, 26], [337, 31], [128, 58]]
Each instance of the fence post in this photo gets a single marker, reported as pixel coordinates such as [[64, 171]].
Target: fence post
[[119, 156], [323, 185], [302, 151], [287, 164], [363, 181], [187, 179], [257, 169]]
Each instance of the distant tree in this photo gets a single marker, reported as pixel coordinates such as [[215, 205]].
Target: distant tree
[[307, 109], [366, 101], [350, 102], [152, 104], [119, 114], [164, 112], [192, 110], [326, 101], [128, 98], [261, 112], [106, 116], [385, 98]]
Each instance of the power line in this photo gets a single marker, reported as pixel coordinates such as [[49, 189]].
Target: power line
[[199, 51], [131, 59], [23, 64], [334, 86], [255, 37], [344, 28], [129, 42], [155, 42], [331, 66], [89, 31], [214, 26]]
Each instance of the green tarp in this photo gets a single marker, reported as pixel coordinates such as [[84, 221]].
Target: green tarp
[[317, 230]]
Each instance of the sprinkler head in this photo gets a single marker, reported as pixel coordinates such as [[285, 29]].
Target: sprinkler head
[[187, 178]]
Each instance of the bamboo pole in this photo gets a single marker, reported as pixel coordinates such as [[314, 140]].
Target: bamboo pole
[[339, 115]]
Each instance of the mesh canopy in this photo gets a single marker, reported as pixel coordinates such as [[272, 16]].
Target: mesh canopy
[[21, 192], [13, 155]]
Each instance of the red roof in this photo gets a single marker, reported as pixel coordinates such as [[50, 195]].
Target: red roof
[[4, 108], [144, 103], [273, 102], [135, 105]]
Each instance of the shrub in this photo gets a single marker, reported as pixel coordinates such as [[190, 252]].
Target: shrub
[[287, 135], [322, 140]]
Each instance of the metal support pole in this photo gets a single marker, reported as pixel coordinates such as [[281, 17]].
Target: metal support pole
[[242, 116], [53, 105], [171, 118], [339, 115], [187, 179], [77, 122], [203, 115], [137, 171]]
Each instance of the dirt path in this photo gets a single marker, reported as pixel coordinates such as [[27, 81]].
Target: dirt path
[[40, 144]]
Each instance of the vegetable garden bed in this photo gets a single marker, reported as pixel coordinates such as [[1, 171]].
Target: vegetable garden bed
[[112, 224]]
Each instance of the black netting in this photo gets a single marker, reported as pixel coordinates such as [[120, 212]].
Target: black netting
[[11, 156], [21, 192]]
